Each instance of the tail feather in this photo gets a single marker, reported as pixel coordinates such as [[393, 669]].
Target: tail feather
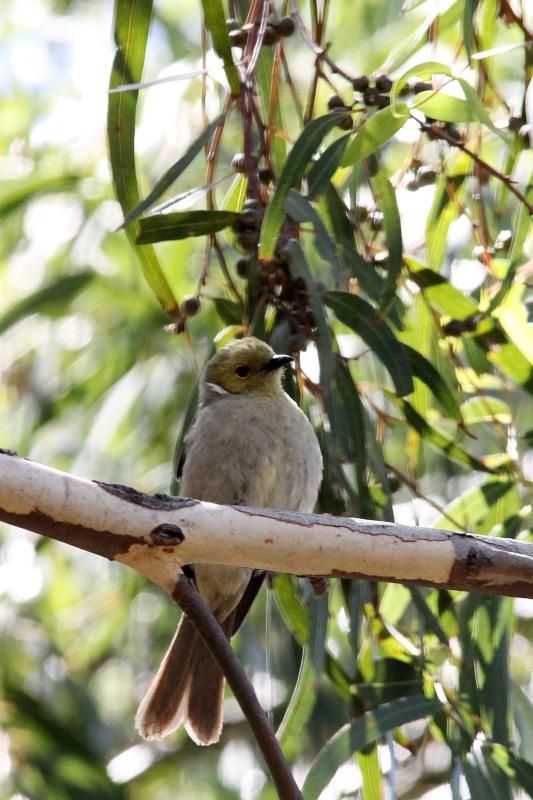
[[188, 687], [206, 695], [164, 706]]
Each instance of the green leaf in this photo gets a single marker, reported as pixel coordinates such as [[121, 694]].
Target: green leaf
[[300, 210], [438, 439], [445, 208], [301, 704], [291, 608], [366, 730], [325, 167], [479, 111], [299, 268], [343, 235], [468, 26], [424, 71], [374, 132], [293, 171], [55, 295], [522, 708], [181, 225], [470, 510], [486, 409], [386, 200], [173, 172], [368, 763], [440, 292], [426, 372], [132, 22], [16, 193], [215, 20], [444, 107], [359, 315]]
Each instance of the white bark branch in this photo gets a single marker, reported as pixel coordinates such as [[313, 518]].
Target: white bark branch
[[158, 534]]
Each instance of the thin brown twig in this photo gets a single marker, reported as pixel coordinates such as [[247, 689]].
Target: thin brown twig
[[193, 604], [224, 267], [441, 134]]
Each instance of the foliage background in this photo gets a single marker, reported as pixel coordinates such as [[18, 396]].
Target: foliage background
[[92, 384]]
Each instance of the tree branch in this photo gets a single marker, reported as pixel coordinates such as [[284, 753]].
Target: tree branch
[[157, 534], [194, 605]]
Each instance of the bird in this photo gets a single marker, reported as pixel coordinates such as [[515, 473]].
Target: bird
[[250, 444]]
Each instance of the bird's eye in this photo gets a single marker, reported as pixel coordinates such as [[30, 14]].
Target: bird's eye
[[243, 371]]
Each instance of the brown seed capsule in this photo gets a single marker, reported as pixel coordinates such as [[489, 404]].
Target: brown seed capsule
[[232, 24], [285, 26], [345, 123], [296, 343], [238, 37], [420, 86], [370, 96], [271, 35], [248, 240], [251, 202], [361, 213], [242, 267], [383, 83], [361, 83], [382, 101], [265, 174], [335, 101], [394, 482], [237, 162], [190, 305], [251, 218], [455, 327], [375, 219]]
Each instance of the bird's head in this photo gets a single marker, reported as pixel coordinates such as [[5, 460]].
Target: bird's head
[[244, 366]]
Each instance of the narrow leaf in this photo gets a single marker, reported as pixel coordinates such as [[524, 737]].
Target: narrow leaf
[[132, 22], [374, 132], [468, 26], [366, 730], [325, 167], [215, 20], [426, 372], [386, 200], [359, 315], [438, 439], [181, 225], [293, 171], [56, 294], [173, 172]]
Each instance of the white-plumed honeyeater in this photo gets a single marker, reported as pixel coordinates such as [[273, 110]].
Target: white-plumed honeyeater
[[250, 445]]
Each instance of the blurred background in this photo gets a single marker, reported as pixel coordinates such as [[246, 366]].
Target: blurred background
[[91, 383]]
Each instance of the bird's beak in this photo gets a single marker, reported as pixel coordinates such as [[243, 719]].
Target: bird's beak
[[276, 362]]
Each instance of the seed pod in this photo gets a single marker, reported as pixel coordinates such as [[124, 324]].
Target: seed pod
[[250, 218], [242, 267], [238, 37], [420, 86], [232, 24], [375, 219], [271, 35], [285, 26], [361, 83], [248, 240], [335, 101], [345, 123], [394, 482], [382, 100], [370, 96], [190, 305], [265, 175], [383, 83], [237, 162]]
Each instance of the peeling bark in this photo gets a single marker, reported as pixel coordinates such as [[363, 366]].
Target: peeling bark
[[158, 535]]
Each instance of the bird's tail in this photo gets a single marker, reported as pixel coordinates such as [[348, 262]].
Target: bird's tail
[[188, 687]]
